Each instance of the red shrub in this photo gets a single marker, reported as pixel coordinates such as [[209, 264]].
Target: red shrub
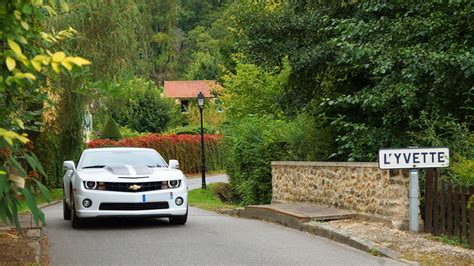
[[185, 148]]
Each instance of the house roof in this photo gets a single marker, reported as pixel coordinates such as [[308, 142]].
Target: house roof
[[190, 88]]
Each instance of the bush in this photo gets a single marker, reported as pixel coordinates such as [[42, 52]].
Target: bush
[[47, 149], [251, 146], [211, 114], [126, 132], [223, 192], [185, 148], [463, 170], [193, 130], [111, 131], [310, 139], [141, 107]]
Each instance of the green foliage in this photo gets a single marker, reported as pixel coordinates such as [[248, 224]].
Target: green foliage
[[61, 137], [205, 51], [453, 241], [115, 35], [464, 170], [252, 144], [117, 38], [140, 106], [212, 114], [47, 146], [206, 199], [254, 91], [257, 131], [189, 38], [310, 138], [223, 192], [378, 71], [111, 131], [54, 195], [193, 130], [129, 133], [203, 66], [70, 118], [27, 58]]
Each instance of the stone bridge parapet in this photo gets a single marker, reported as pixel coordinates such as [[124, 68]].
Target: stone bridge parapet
[[357, 186]]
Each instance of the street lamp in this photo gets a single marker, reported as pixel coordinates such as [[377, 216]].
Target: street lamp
[[200, 99]]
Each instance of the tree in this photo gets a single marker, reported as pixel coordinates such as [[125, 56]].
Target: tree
[[380, 72], [111, 131], [117, 37], [140, 106], [28, 60]]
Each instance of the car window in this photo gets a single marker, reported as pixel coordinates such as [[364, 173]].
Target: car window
[[97, 159]]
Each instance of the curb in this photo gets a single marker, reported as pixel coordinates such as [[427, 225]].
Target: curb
[[50, 203], [347, 238], [321, 229], [36, 233]]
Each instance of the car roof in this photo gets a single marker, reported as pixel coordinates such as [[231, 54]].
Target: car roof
[[117, 149]]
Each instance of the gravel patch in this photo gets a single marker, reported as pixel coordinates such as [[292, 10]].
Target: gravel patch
[[417, 247]]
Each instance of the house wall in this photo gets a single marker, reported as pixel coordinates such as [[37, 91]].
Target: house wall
[[360, 187]]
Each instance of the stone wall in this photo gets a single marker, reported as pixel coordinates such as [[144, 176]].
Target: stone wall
[[360, 187]]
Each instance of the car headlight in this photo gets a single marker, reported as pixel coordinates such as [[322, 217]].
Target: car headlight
[[90, 184], [170, 184], [93, 185]]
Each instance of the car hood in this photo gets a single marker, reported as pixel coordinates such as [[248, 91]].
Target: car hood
[[125, 173]]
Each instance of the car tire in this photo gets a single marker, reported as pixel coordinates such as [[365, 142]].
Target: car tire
[[76, 222], [66, 211], [180, 219]]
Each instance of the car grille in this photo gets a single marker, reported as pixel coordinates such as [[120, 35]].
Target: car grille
[[132, 187], [133, 206]]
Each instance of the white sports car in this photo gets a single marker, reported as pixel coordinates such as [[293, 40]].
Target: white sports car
[[124, 182]]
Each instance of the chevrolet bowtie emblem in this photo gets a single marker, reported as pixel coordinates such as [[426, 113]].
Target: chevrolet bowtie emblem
[[135, 187]]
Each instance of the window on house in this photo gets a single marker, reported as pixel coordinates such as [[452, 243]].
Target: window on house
[[184, 106]]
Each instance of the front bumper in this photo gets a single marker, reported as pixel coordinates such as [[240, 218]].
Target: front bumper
[[99, 196]]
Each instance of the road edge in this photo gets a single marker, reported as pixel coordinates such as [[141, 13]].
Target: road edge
[[321, 229]]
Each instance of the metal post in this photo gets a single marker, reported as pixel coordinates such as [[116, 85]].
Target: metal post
[[203, 158], [413, 197]]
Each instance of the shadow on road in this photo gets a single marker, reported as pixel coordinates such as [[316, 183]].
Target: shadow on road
[[124, 223]]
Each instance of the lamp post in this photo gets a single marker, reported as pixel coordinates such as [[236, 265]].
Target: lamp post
[[200, 99]]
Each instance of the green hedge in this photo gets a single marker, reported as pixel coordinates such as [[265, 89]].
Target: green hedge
[[251, 145]]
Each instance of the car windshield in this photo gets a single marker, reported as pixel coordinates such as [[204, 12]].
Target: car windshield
[[99, 159]]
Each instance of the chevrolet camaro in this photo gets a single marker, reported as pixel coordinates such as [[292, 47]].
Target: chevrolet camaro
[[124, 182]]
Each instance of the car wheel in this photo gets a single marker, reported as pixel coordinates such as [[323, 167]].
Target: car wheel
[[66, 211], [76, 222], [180, 219]]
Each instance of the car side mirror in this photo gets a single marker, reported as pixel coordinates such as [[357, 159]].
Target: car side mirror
[[69, 165], [174, 164]]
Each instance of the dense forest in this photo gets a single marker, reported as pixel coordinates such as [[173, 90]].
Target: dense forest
[[303, 80]]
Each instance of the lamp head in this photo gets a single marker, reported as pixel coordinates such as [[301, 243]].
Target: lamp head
[[200, 98]]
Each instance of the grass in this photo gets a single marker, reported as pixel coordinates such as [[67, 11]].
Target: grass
[[451, 241], [205, 199], [373, 251], [54, 194]]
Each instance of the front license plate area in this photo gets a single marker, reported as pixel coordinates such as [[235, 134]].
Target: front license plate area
[[152, 197]]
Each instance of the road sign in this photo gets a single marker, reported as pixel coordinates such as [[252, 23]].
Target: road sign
[[413, 158]]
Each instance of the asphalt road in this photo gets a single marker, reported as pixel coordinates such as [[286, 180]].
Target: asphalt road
[[196, 182], [207, 238]]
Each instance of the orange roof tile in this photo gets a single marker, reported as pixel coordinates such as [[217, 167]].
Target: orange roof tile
[[190, 88]]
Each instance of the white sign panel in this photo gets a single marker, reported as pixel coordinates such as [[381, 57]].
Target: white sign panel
[[411, 158]]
